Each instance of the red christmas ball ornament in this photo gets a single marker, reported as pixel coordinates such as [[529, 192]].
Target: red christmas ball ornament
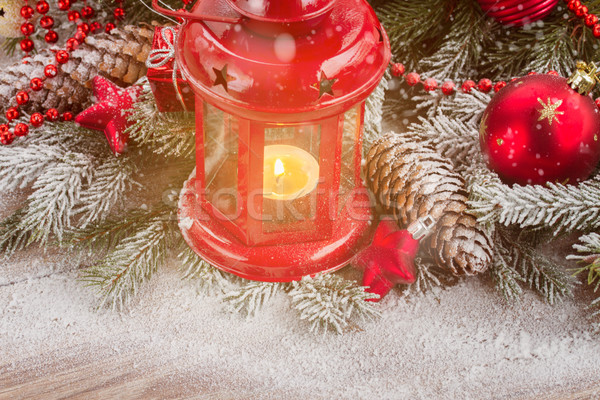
[[72, 44], [73, 15], [79, 36], [109, 27], [83, 27], [119, 13], [21, 129], [538, 129], [517, 12], [87, 12]]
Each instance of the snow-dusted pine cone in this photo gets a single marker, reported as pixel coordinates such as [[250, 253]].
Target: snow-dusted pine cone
[[410, 180], [119, 56]]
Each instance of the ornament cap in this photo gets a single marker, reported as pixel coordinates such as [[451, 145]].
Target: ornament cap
[[584, 78], [421, 227]]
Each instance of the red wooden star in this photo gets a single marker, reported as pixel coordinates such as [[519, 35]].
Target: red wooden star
[[109, 114], [389, 260]]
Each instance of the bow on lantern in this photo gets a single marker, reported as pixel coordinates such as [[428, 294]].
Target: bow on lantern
[[159, 57], [389, 260]]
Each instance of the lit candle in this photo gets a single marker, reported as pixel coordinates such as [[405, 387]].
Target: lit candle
[[289, 172]]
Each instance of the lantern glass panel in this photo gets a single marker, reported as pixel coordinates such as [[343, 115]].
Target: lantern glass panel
[[290, 177], [221, 159], [350, 159]]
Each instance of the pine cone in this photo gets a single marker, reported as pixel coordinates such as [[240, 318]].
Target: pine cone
[[410, 181], [119, 56]]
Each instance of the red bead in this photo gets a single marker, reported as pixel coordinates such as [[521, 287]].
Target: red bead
[[591, 20], [87, 12], [430, 84], [552, 72], [79, 36], [51, 37], [448, 88], [62, 56], [484, 85], [27, 28], [597, 101], [37, 119], [499, 85], [72, 44], [27, 45], [64, 5], [36, 84], [532, 73], [6, 136], [27, 12], [67, 116], [581, 11], [22, 97], [12, 113], [83, 27], [42, 7], [47, 22], [109, 27], [73, 15], [574, 4], [596, 30], [398, 69], [467, 86], [412, 78], [119, 13], [52, 115], [50, 71], [21, 129], [95, 27]]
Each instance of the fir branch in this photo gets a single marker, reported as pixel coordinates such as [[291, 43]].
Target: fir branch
[[331, 302], [249, 298], [107, 234], [588, 255], [429, 276], [133, 261], [562, 208], [374, 113], [168, 134], [12, 236], [210, 280], [56, 193], [110, 182], [547, 278]]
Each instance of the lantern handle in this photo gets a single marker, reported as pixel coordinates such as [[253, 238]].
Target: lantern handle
[[189, 16]]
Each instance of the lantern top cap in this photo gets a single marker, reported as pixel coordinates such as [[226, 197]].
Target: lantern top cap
[[281, 11]]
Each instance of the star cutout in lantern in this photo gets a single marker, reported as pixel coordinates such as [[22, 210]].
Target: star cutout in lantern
[[389, 260], [1, 12], [325, 85], [549, 111], [109, 114], [222, 77]]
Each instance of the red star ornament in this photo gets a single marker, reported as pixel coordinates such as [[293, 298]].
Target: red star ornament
[[390, 259], [109, 114]]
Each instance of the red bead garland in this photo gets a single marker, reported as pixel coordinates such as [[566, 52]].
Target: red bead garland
[[62, 56], [582, 12]]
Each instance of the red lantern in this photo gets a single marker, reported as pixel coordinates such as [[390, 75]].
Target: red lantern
[[280, 89]]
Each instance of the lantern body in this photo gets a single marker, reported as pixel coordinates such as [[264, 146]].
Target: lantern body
[[277, 193]]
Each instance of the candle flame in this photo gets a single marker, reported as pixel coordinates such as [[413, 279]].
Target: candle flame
[[279, 170]]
